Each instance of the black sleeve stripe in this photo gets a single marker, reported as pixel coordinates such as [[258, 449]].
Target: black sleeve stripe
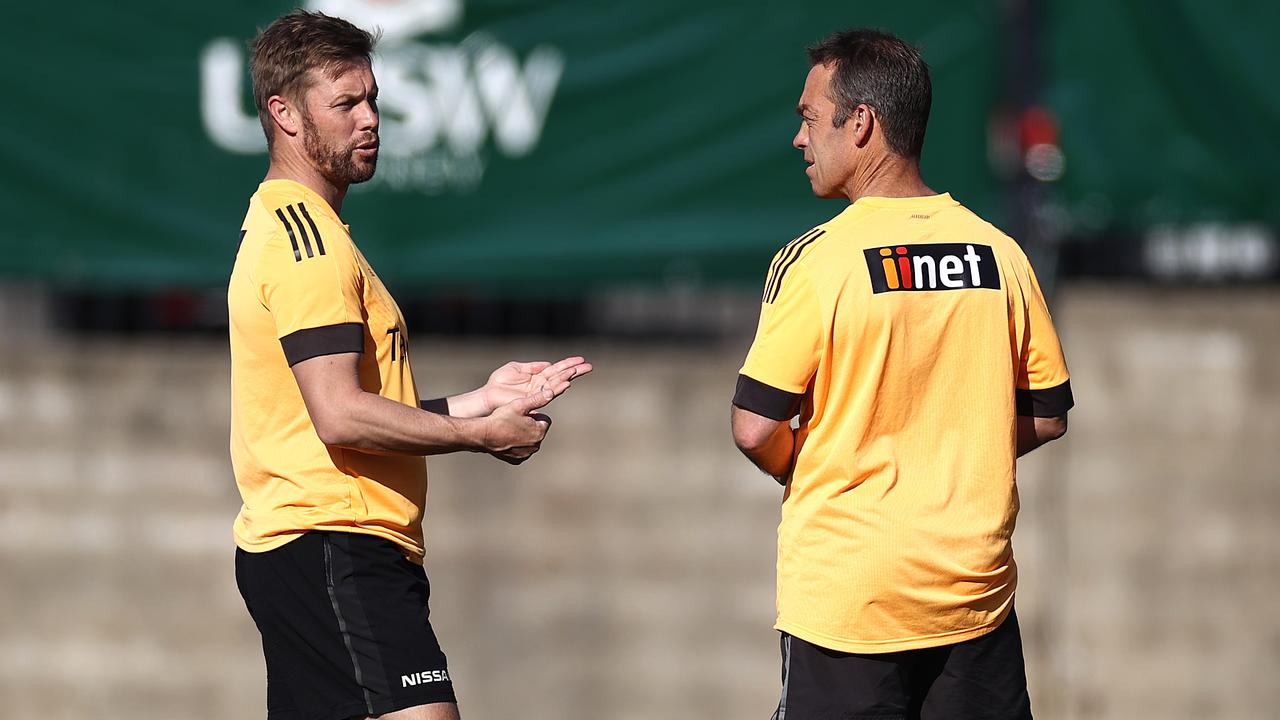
[[771, 293], [777, 285], [315, 231], [1050, 402], [306, 239], [777, 260], [439, 406], [783, 258], [793, 252], [297, 256], [327, 340], [765, 400]]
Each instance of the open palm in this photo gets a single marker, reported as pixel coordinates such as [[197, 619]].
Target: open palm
[[518, 379]]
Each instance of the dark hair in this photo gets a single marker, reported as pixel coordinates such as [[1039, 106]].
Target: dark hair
[[874, 68], [298, 42]]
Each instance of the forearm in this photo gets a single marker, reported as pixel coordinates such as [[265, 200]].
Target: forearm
[[371, 423], [1027, 443], [472, 404]]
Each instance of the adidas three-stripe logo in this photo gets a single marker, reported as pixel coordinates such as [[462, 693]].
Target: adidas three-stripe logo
[[297, 229], [784, 260]]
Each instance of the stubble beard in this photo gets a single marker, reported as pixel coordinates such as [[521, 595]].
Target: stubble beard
[[337, 165]]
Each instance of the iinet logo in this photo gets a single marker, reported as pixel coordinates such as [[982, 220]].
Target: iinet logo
[[945, 266], [421, 678]]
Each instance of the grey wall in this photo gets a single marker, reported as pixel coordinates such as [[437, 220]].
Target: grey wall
[[626, 572]]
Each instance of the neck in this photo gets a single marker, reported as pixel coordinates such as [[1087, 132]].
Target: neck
[[289, 165], [889, 175]]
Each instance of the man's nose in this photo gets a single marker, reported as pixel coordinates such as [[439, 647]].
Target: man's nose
[[801, 140], [368, 119]]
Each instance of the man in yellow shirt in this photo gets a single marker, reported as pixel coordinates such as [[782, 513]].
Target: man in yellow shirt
[[912, 340], [328, 431]]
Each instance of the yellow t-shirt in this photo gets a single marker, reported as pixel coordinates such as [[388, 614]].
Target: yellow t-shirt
[[301, 289], [908, 333]]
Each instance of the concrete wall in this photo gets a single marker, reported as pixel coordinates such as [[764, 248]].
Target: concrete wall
[[627, 571]]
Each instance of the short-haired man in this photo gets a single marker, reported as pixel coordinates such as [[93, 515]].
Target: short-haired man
[[912, 339], [328, 432]]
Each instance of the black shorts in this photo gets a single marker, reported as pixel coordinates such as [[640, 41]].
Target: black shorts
[[345, 627], [984, 678]]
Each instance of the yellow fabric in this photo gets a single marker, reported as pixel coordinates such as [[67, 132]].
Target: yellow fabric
[[897, 519], [289, 480]]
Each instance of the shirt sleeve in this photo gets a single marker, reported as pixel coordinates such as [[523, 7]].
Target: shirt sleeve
[[784, 355], [1044, 385], [309, 280]]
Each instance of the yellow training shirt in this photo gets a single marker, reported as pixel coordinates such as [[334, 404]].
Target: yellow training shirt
[[301, 289], [909, 334]]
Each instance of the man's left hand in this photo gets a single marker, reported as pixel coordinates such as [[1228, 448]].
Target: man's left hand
[[518, 379]]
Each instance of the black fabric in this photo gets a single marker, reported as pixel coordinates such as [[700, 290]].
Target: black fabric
[[345, 627], [302, 230], [765, 400], [979, 679], [1049, 402], [327, 340], [439, 406], [315, 231], [297, 256]]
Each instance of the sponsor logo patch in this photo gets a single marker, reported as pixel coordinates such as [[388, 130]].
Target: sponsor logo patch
[[944, 266]]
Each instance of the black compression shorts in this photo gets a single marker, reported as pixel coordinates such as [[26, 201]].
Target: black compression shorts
[[345, 627]]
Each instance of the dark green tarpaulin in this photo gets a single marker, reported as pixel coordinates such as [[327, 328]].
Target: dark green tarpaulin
[[1170, 111], [528, 145], [550, 146]]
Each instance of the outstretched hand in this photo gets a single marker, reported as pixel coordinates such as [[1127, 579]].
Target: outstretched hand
[[521, 379]]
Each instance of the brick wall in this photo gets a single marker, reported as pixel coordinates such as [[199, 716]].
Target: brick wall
[[627, 571]]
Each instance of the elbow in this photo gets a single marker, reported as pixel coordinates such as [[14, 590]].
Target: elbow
[[334, 417], [745, 442], [752, 433], [330, 435], [750, 440], [1051, 428], [333, 432]]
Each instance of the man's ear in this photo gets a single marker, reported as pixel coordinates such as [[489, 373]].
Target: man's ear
[[284, 114], [861, 122]]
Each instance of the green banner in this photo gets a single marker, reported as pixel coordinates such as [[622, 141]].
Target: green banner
[[529, 146], [1169, 111]]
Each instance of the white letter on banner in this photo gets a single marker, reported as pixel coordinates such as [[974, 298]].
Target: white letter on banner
[[410, 123], [516, 102], [221, 70], [456, 104]]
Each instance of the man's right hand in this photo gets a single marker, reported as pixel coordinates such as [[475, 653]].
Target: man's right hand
[[514, 432]]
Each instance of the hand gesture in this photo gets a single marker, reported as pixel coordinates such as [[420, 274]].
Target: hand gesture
[[520, 379], [515, 432]]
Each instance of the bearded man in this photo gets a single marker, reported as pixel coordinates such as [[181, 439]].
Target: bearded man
[[328, 432]]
